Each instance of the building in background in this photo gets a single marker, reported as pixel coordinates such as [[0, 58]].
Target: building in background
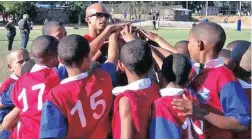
[[211, 10], [51, 12]]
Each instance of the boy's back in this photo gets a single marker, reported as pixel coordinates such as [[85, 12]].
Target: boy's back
[[133, 102], [85, 101], [29, 93], [166, 124], [31, 90], [79, 107], [141, 95]]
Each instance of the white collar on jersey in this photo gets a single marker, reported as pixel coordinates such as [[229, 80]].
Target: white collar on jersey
[[137, 85], [60, 64], [245, 84], [75, 78], [215, 63], [38, 67], [14, 76], [171, 92]]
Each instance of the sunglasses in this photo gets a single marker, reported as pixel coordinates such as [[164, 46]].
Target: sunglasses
[[106, 15]]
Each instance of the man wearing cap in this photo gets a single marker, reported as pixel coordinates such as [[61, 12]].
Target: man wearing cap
[[24, 30]]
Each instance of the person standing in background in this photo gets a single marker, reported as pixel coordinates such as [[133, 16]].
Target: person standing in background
[[154, 22], [157, 21], [11, 33], [24, 30], [125, 14]]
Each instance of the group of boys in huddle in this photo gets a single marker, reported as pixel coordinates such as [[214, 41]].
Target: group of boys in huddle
[[68, 88]]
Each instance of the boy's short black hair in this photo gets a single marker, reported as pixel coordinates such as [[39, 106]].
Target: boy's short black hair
[[184, 42], [27, 66], [182, 47], [136, 56], [212, 32], [44, 46], [48, 27], [176, 68], [72, 49]]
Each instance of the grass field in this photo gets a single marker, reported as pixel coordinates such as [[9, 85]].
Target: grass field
[[171, 35]]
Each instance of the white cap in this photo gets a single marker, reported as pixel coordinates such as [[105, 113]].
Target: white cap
[[25, 16]]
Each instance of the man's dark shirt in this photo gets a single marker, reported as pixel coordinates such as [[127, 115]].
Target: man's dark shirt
[[24, 26], [10, 27]]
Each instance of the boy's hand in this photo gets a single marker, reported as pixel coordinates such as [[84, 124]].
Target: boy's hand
[[127, 34], [188, 108], [115, 27], [115, 35], [150, 35]]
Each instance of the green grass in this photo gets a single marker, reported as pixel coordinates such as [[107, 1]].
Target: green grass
[[171, 35]]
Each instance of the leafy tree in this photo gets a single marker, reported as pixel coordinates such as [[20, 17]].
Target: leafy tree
[[18, 8], [2, 11], [1, 7], [77, 10], [246, 7]]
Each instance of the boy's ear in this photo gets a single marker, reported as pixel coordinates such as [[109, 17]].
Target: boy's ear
[[121, 66], [9, 66], [201, 45]]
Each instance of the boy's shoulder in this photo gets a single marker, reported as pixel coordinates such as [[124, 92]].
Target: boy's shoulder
[[168, 94], [141, 97], [224, 75], [100, 73], [223, 70], [220, 76], [163, 101], [7, 82], [137, 88], [48, 75], [69, 84]]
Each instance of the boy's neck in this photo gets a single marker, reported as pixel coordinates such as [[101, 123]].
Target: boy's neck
[[207, 57], [133, 77], [74, 71], [173, 85]]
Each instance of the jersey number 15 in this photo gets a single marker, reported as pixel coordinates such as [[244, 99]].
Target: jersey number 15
[[78, 107]]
